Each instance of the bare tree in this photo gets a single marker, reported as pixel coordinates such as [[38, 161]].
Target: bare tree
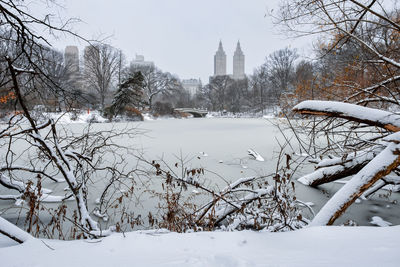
[[237, 96], [101, 62], [121, 62], [62, 77], [35, 149], [156, 82], [261, 88], [217, 90], [280, 65]]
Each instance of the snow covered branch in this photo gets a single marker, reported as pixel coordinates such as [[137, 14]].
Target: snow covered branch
[[371, 89], [55, 155], [330, 170], [360, 42], [368, 167], [11, 231], [351, 112], [383, 164]]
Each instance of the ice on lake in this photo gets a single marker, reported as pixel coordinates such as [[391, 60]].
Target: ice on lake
[[221, 145]]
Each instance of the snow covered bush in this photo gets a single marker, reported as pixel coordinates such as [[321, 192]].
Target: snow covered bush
[[258, 203], [276, 211]]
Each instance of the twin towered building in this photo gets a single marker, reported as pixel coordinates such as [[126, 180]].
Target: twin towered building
[[238, 62], [191, 85]]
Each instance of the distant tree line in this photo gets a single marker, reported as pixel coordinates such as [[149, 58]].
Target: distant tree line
[[283, 80], [101, 84]]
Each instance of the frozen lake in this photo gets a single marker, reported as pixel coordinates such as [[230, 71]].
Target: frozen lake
[[225, 141]]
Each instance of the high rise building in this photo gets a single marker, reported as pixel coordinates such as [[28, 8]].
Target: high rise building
[[238, 63], [71, 59], [220, 61], [140, 62], [191, 85]]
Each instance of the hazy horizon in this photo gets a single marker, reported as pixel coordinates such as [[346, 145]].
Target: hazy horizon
[[180, 37]]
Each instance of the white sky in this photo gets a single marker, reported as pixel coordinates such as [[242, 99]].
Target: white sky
[[181, 36]]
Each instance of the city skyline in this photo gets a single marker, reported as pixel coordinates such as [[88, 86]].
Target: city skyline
[[181, 36], [74, 59]]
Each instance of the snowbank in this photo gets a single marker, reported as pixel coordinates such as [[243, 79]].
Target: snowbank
[[314, 246], [81, 117], [220, 114], [147, 117]]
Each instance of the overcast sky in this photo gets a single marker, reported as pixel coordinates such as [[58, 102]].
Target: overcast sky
[[181, 36]]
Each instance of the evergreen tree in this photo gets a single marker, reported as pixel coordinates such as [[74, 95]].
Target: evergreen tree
[[129, 93]]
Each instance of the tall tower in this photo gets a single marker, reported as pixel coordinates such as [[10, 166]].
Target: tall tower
[[71, 58], [71, 61], [220, 61], [238, 63]]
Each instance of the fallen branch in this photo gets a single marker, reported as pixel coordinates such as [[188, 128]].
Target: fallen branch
[[351, 112], [379, 167], [334, 169]]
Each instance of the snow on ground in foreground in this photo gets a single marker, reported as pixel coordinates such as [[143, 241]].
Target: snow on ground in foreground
[[314, 246]]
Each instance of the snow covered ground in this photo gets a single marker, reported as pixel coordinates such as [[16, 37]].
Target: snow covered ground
[[80, 117], [314, 246]]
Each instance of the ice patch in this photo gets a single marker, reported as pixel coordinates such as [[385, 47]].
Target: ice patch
[[376, 220], [255, 155]]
